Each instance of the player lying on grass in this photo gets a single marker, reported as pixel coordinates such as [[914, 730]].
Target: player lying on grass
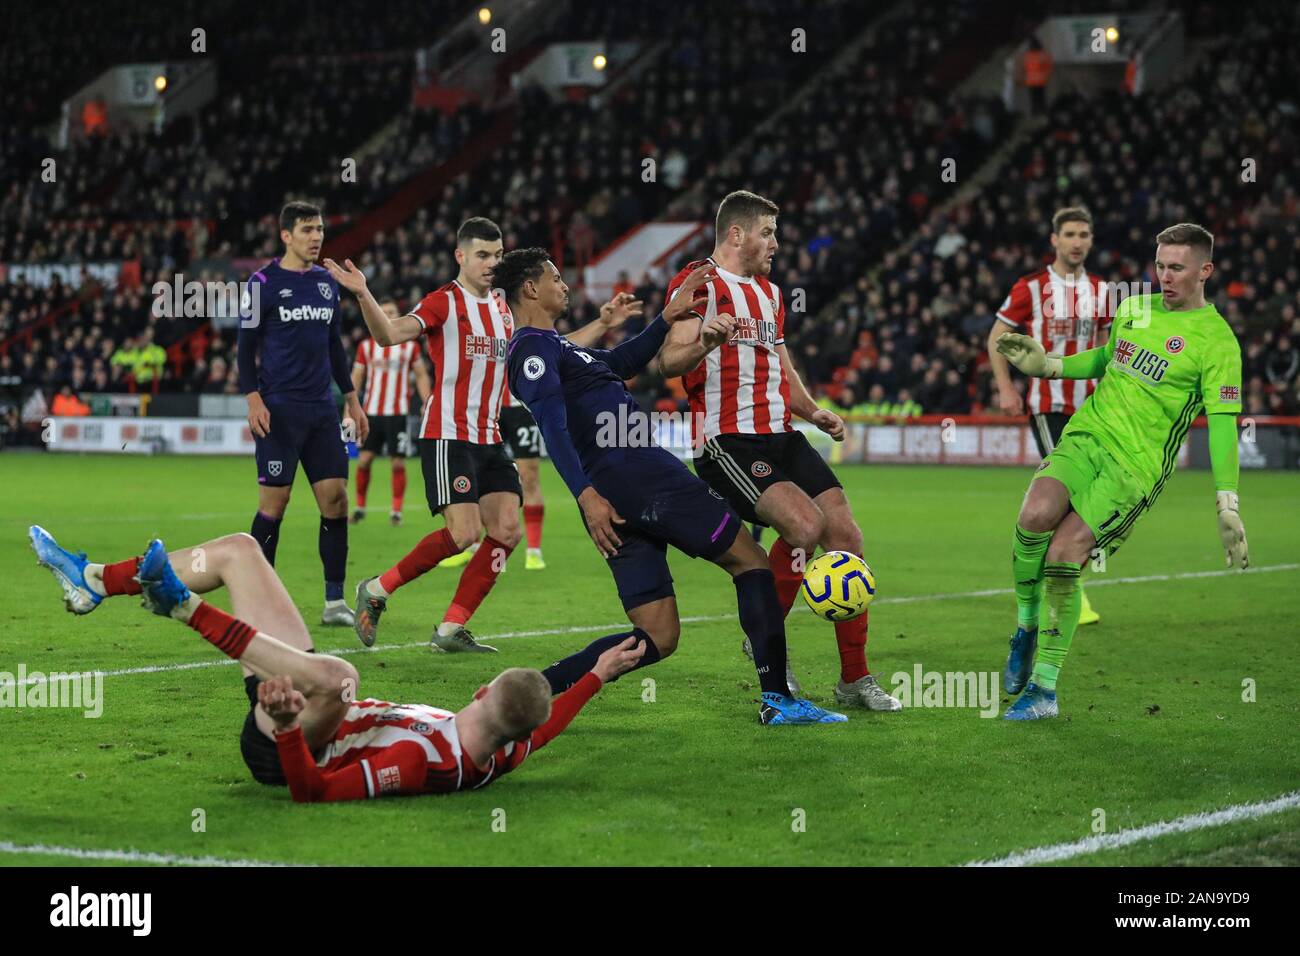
[[306, 728], [1170, 357], [636, 498]]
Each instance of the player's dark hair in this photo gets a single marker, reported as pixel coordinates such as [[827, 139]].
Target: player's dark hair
[[480, 227], [295, 212], [1070, 214], [517, 267], [742, 208], [1188, 234]]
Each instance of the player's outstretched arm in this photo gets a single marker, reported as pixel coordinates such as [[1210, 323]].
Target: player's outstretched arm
[[1226, 467], [385, 330], [611, 664], [1028, 355], [613, 314], [630, 357]]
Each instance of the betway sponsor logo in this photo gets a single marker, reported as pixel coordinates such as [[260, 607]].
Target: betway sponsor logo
[[306, 313]]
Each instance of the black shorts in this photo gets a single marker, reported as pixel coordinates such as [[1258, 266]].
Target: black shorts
[[260, 752], [459, 472], [662, 503], [1047, 430], [742, 467], [388, 436], [310, 434], [523, 439]]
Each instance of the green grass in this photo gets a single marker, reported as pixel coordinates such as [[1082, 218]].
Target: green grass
[[690, 778]]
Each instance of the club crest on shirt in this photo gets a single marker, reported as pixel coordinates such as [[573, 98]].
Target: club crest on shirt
[[1174, 344], [325, 289]]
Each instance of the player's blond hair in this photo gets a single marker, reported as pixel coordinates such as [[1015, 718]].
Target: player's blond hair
[[742, 208], [1188, 234], [517, 703], [1070, 214]]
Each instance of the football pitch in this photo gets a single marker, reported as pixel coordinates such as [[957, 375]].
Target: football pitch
[[1183, 700]]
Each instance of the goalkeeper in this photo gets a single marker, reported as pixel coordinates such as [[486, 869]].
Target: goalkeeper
[[1170, 357]]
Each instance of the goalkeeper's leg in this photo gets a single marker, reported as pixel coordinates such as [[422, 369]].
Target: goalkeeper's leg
[[1071, 544], [1046, 503]]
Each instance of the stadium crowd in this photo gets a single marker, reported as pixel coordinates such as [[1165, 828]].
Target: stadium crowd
[[898, 294]]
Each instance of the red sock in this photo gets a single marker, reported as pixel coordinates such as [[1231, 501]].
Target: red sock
[[119, 577], [399, 488], [431, 549], [788, 578], [477, 580], [228, 634], [363, 485], [533, 524], [851, 636]]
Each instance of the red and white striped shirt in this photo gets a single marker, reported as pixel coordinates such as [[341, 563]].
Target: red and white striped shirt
[[1065, 315], [388, 376], [467, 339], [740, 388], [384, 749]]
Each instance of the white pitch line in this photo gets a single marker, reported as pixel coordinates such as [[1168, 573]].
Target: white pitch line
[[129, 856], [1111, 841], [698, 619]]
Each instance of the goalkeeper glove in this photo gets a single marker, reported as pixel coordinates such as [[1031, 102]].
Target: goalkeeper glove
[[1029, 356], [1231, 531]]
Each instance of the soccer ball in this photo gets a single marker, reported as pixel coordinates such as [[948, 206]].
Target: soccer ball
[[838, 586]]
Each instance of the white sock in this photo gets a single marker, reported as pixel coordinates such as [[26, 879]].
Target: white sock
[[94, 574], [336, 602], [447, 628], [375, 589], [185, 610]]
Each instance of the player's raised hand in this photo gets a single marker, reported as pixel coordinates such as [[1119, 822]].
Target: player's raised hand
[[717, 330], [1028, 355], [1231, 531], [686, 299], [601, 518], [618, 660], [619, 309], [280, 701], [351, 278], [829, 422]]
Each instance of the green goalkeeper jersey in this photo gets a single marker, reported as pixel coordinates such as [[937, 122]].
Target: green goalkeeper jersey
[[1163, 369]]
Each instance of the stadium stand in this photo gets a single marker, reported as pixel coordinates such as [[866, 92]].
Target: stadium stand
[[900, 283]]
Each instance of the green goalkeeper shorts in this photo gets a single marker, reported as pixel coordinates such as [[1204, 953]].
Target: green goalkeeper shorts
[[1106, 496]]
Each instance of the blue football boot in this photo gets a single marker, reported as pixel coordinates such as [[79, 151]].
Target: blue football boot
[[1020, 662], [776, 709], [68, 569], [1034, 704], [161, 588]]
